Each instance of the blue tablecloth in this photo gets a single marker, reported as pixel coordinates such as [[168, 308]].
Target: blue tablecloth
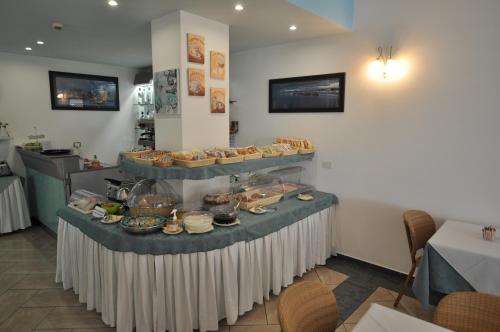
[[252, 227], [436, 277], [211, 171]]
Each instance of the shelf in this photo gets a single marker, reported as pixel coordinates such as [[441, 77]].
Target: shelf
[[208, 172]]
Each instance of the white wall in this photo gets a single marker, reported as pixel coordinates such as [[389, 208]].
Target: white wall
[[25, 102], [429, 141]]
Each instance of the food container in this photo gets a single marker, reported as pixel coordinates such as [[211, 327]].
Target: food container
[[152, 198], [111, 208], [198, 222], [220, 198], [142, 224], [225, 214]]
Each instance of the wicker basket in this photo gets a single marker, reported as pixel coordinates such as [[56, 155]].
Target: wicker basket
[[194, 163], [253, 156], [141, 161], [290, 152], [132, 154], [230, 160], [271, 155], [306, 151], [260, 202], [158, 163], [148, 211]]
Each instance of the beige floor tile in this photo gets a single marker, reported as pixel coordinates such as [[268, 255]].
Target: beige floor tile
[[264, 328], [272, 310], [309, 276], [255, 317], [24, 319], [73, 317], [8, 280], [11, 300], [53, 298], [380, 294], [32, 267], [349, 327], [341, 328], [329, 276], [37, 281], [104, 329]]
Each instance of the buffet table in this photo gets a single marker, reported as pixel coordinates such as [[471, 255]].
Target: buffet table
[[14, 212], [185, 282]]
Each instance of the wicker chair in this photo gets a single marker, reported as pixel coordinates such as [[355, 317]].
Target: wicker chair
[[307, 307], [419, 228], [469, 312]]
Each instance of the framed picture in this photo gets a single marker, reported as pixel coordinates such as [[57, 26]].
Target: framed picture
[[318, 93], [70, 91], [217, 65], [217, 100], [166, 92], [196, 48], [196, 82]]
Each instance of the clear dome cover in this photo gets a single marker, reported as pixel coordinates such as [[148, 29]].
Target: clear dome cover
[[152, 198]]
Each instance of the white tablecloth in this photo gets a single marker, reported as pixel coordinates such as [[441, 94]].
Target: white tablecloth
[[476, 260], [188, 291], [14, 212], [381, 319]]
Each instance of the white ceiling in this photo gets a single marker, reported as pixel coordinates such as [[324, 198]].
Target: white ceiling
[[96, 32]]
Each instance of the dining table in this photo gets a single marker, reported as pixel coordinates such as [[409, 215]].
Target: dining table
[[457, 258], [382, 319]]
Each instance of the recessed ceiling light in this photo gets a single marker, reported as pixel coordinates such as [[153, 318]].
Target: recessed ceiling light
[[239, 7], [27, 48], [113, 3], [293, 27], [40, 42]]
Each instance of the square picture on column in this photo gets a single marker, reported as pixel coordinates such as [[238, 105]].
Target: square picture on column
[[166, 92], [196, 82], [217, 65], [196, 48], [217, 100]]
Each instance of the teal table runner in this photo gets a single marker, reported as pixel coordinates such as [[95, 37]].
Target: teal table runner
[[252, 227], [6, 181], [208, 172], [436, 277]]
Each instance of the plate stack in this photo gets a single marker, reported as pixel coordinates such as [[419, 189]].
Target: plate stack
[[198, 222]]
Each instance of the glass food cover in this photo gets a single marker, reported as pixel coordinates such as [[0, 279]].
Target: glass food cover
[[259, 190], [290, 179], [152, 198]]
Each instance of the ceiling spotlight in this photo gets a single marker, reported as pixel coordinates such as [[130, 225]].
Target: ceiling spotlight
[[292, 27], [239, 7], [113, 3], [27, 48], [40, 42]]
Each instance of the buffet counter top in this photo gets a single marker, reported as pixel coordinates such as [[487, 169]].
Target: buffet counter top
[[251, 227], [211, 171]]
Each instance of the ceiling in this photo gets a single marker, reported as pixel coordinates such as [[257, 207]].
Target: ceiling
[[96, 32]]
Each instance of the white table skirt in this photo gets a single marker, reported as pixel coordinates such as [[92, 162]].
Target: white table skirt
[[381, 319], [189, 291], [14, 213], [476, 260]]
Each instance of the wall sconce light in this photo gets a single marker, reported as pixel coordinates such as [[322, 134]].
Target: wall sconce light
[[385, 67]]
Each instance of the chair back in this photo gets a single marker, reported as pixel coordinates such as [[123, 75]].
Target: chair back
[[307, 306], [469, 312], [419, 227]]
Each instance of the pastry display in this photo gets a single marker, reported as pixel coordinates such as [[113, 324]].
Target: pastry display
[[286, 149], [164, 160], [134, 153], [302, 144], [269, 151], [258, 197], [198, 222], [152, 198], [218, 198], [249, 152], [193, 158]]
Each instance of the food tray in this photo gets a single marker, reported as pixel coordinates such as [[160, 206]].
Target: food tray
[[194, 163], [306, 151], [144, 161], [230, 160], [133, 154], [252, 156], [290, 152], [151, 211], [143, 230], [275, 198], [271, 155], [163, 163]]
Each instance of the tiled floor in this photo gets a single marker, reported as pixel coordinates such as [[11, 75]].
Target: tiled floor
[[30, 300]]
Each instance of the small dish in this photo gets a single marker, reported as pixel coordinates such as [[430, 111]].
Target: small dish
[[111, 219], [257, 210], [234, 223], [179, 230], [305, 197]]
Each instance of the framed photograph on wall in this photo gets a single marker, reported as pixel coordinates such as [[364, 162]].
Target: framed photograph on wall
[[82, 92], [217, 65], [196, 48], [166, 92], [196, 82], [307, 94], [217, 100]]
